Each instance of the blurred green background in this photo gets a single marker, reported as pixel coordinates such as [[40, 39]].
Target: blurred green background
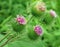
[[8, 11]]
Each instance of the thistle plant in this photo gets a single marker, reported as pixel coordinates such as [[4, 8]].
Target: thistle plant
[[29, 23]]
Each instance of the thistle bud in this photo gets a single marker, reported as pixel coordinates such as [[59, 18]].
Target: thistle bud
[[53, 13], [50, 17]]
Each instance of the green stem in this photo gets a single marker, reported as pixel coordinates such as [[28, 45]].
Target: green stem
[[4, 37], [6, 41], [18, 36]]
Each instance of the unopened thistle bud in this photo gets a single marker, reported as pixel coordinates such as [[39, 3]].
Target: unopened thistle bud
[[53, 13], [50, 17]]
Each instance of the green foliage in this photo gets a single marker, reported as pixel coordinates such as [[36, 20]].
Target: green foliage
[[23, 35]]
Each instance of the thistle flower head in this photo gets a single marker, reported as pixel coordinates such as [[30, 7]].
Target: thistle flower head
[[21, 20], [53, 13], [38, 30], [41, 6]]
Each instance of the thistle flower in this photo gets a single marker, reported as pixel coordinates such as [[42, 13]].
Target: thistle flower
[[21, 20], [53, 13], [38, 30], [41, 6], [38, 8]]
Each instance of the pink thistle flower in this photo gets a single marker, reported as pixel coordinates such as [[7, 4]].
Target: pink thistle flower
[[21, 20], [38, 30], [53, 13]]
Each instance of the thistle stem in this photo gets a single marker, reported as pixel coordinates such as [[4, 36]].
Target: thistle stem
[[6, 41], [4, 37]]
